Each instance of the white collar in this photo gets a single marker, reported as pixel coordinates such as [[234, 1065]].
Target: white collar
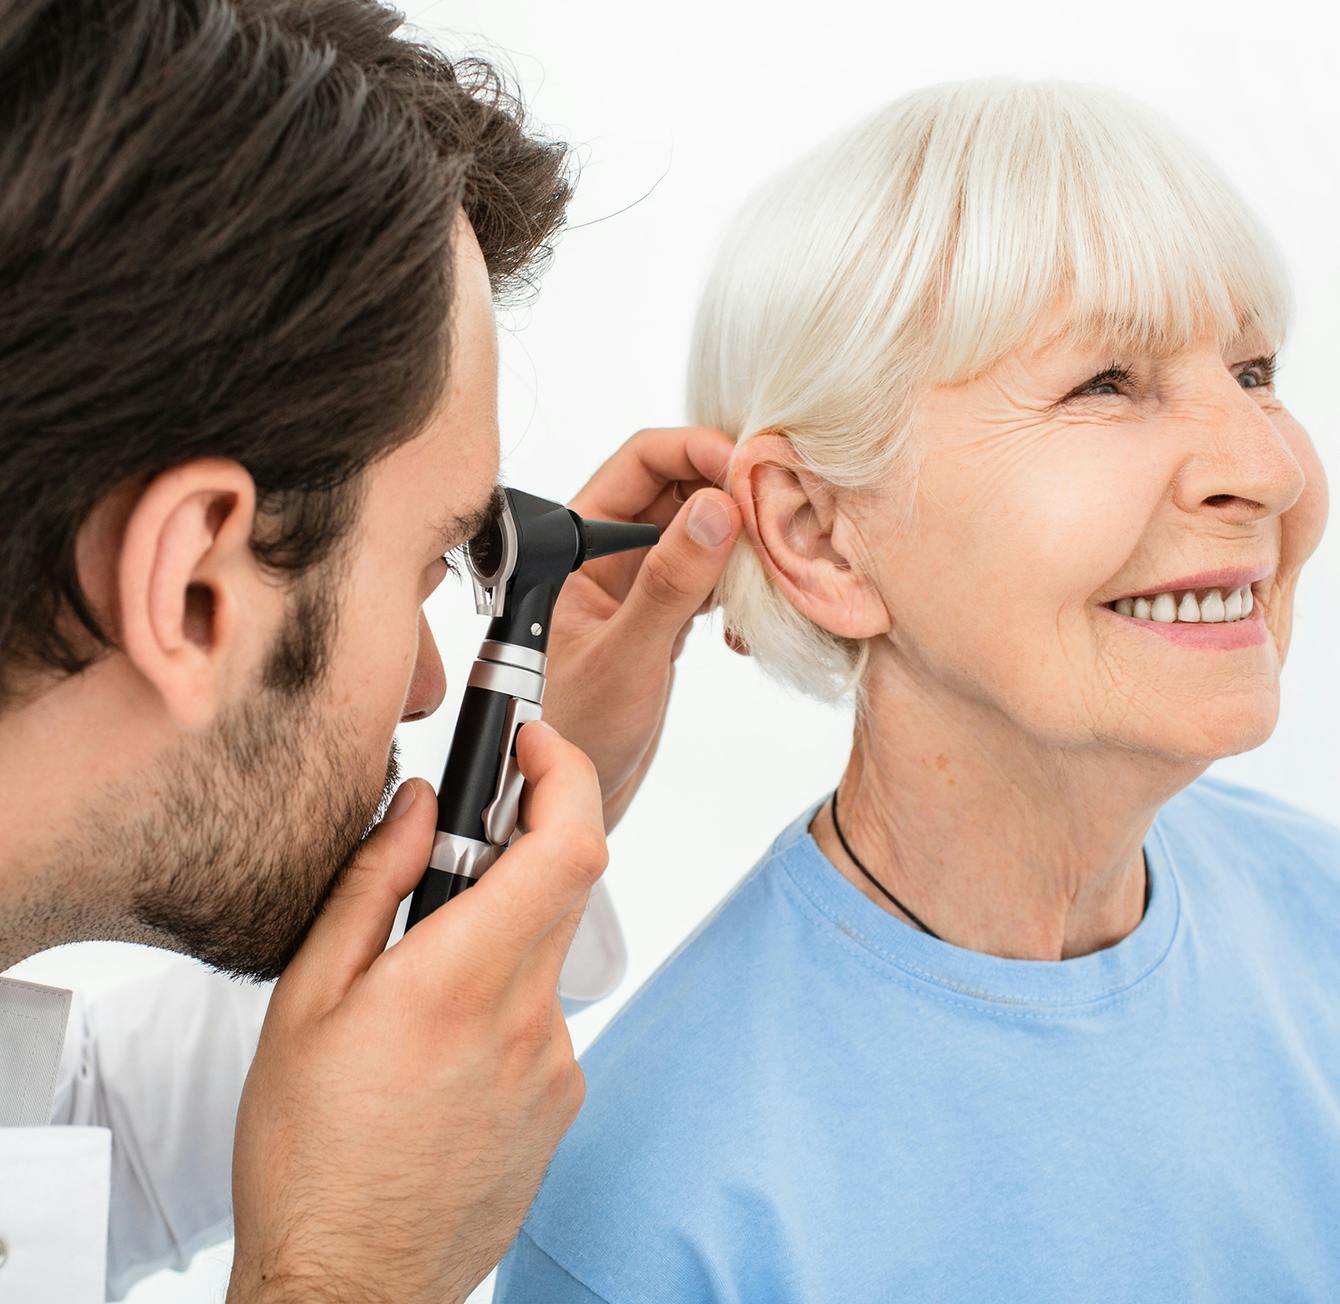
[[32, 1034]]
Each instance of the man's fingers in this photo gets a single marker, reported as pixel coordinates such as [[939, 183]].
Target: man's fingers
[[617, 573], [352, 928], [630, 480], [667, 504], [562, 819], [544, 874], [678, 573]]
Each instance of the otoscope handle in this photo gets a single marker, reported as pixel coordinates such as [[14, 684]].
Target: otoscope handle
[[435, 889], [479, 797], [517, 568], [470, 778]]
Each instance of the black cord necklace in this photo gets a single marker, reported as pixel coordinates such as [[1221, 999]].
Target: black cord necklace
[[847, 848], [873, 879]]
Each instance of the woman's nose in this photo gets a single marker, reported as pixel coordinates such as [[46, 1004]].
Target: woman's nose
[[429, 683], [1242, 467]]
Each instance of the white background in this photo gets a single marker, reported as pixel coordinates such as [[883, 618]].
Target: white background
[[678, 111]]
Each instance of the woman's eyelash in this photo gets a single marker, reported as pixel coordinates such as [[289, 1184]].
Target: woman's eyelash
[[1267, 367], [452, 564], [1111, 375]]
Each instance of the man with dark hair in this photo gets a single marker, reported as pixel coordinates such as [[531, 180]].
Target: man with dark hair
[[248, 376]]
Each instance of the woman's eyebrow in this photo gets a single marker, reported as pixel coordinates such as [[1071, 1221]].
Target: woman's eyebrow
[[458, 529]]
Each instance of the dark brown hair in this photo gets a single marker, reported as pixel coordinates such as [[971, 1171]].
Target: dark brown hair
[[225, 231]]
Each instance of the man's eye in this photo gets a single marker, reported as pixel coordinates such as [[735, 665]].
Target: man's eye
[[452, 567]]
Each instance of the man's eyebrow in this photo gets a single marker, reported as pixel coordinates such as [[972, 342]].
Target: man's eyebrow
[[458, 529]]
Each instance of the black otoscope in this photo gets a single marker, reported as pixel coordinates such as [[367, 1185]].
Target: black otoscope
[[517, 567]]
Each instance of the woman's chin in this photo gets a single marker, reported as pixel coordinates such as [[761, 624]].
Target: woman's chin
[[1239, 724]]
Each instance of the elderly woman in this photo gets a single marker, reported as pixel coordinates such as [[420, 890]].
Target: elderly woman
[[1026, 1009]]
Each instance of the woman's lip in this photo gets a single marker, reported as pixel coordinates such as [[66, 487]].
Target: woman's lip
[[1247, 632], [1232, 577]]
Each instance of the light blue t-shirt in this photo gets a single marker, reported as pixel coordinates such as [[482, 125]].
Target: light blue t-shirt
[[812, 1100]]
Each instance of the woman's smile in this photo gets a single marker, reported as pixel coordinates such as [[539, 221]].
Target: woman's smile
[[1217, 621]]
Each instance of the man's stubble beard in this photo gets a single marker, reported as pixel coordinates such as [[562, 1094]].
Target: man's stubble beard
[[259, 820]]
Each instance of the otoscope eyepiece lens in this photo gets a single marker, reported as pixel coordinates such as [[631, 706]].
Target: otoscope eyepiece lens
[[486, 550]]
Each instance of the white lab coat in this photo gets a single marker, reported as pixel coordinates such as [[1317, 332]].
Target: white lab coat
[[138, 1090]]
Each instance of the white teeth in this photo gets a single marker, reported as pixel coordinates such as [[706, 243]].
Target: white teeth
[[1165, 608]]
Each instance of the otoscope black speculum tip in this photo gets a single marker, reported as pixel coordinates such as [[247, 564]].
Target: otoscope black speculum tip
[[602, 538]]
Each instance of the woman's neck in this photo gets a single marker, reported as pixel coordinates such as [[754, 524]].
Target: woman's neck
[[996, 840]]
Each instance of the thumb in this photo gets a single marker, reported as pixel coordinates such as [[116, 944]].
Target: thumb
[[351, 930], [680, 571]]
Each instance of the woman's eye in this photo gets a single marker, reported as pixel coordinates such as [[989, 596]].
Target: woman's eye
[[1101, 385], [1263, 369], [1110, 377]]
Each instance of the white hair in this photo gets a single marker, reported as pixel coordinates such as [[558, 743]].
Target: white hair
[[921, 246]]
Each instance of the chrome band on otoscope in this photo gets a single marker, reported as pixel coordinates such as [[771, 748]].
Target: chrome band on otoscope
[[464, 857], [513, 654], [511, 681]]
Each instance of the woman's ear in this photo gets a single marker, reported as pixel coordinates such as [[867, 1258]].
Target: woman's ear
[[170, 562], [802, 538]]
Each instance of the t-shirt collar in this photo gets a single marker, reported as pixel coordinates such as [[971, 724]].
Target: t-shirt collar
[[1096, 977]]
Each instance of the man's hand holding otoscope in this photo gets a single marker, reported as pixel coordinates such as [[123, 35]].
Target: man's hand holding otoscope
[[456, 1033], [519, 567]]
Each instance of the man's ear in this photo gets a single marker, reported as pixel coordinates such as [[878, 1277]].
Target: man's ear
[[183, 574], [802, 539]]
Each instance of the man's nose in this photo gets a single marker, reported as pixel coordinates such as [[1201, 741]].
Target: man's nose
[[429, 684]]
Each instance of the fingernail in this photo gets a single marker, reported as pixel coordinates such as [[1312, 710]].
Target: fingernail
[[708, 525], [401, 802]]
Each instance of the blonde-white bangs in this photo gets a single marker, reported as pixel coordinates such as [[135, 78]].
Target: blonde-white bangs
[[926, 243]]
